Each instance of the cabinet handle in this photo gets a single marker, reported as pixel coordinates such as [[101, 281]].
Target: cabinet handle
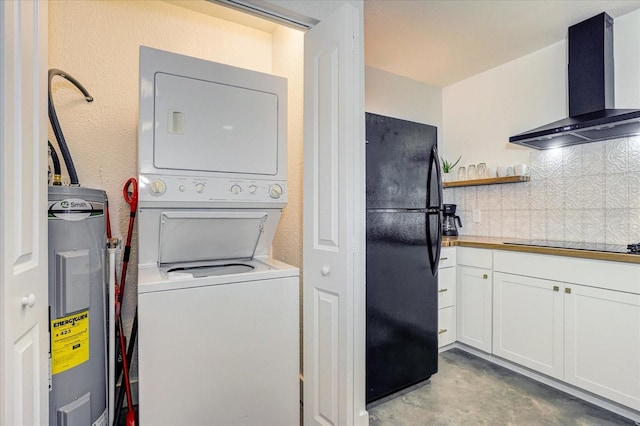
[[444, 258], [442, 330], [556, 288], [442, 290], [485, 276], [567, 290]]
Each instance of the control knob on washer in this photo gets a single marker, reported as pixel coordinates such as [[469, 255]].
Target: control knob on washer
[[157, 187], [235, 189], [199, 187], [253, 189], [275, 191]]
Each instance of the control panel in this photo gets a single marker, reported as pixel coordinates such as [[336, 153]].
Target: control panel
[[193, 189]]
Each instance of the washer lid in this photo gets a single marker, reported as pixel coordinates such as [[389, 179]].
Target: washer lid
[[190, 236]]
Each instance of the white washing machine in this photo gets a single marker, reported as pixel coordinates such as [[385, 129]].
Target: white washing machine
[[218, 340], [218, 318]]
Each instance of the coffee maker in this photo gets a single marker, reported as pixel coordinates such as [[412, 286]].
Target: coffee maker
[[449, 228]]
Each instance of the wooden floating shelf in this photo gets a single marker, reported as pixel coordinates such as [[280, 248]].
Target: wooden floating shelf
[[488, 181]]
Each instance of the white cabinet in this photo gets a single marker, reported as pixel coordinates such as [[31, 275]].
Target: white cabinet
[[583, 330], [527, 322], [602, 342], [474, 297], [447, 297]]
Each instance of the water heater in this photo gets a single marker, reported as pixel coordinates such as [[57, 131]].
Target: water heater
[[77, 294]]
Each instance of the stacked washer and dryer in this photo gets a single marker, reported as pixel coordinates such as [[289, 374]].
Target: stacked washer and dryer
[[218, 317]]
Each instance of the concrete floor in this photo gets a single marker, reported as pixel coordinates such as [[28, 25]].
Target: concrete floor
[[468, 391]]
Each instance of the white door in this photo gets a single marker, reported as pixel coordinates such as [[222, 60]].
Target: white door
[[334, 237], [23, 214], [528, 322]]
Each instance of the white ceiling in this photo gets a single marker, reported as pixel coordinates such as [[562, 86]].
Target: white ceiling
[[440, 42]]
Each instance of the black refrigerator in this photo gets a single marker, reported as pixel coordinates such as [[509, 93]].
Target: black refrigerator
[[404, 235]]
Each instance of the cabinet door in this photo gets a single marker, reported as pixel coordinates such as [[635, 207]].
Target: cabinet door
[[602, 343], [473, 307], [528, 321]]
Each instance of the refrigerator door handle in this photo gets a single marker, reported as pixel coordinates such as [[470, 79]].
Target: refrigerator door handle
[[434, 258]]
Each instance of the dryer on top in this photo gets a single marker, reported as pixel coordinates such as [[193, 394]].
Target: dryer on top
[[210, 133]]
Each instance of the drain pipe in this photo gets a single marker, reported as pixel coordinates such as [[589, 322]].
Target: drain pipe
[[112, 245]]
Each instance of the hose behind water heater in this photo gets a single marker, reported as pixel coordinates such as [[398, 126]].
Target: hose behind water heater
[[57, 171], [55, 123]]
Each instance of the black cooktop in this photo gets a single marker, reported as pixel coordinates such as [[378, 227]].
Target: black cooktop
[[577, 245]]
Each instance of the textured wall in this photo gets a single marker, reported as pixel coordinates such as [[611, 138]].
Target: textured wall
[[288, 61], [97, 42], [288, 51], [586, 192]]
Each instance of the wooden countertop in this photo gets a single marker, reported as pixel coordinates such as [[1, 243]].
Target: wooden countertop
[[495, 243]]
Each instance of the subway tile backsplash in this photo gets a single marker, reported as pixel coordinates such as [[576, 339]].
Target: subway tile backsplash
[[587, 192]]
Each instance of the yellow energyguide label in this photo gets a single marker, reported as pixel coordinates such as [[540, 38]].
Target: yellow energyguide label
[[69, 341]]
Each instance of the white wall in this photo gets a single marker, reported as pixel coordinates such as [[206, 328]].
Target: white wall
[[481, 112], [626, 51], [395, 96]]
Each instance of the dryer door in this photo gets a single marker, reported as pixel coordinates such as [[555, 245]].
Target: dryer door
[[211, 127]]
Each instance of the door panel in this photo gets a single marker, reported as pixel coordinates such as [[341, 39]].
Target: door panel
[[326, 153], [23, 226], [334, 221], [327, 340]]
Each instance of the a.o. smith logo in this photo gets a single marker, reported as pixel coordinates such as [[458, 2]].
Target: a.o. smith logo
[[74, 209], [73, 204]]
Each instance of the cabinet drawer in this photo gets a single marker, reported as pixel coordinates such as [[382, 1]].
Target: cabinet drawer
[[618, 276], [447, 257], [446, 326], [446, 287], [478, 258]]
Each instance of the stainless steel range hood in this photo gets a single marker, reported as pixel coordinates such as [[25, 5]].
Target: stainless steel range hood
[[592, 116]]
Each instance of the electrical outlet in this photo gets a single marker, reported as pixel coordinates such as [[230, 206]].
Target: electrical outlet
[[476, 216]]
